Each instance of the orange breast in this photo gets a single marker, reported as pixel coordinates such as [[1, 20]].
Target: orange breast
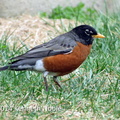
[[66, 63]]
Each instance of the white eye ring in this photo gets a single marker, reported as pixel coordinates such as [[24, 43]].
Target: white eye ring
[[87, 30], [87, 33], [91, 31]]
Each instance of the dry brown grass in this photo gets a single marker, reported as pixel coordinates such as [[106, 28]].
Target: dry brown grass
[[32, 30]]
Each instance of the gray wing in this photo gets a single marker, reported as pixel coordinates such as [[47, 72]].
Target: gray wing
[[62, 44]]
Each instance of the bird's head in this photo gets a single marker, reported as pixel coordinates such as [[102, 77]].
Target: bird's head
[[87, 33]]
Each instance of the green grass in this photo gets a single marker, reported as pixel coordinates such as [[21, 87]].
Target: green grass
[[79, 13], [91, 92]]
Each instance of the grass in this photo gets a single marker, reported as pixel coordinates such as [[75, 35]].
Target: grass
[[79, 13], [91, 92]]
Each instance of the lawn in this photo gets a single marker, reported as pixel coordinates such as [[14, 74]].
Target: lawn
[[91, 92]]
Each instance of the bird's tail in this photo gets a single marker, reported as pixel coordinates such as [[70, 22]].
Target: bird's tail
[[19, 65], [3, 68], [12, 67]]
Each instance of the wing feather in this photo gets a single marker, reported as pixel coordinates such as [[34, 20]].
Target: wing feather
[[62, 44]]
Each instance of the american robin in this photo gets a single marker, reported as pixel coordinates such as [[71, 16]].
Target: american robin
[[59, 56]]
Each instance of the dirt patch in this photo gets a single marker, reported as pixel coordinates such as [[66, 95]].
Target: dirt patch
[[33, 30]]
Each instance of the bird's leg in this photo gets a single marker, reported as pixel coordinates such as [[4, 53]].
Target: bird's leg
[[46, 84], [55, 80], [45, 80]]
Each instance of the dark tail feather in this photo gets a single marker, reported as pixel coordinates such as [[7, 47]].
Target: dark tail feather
[[4, 68], [15, 65], [11, 68]]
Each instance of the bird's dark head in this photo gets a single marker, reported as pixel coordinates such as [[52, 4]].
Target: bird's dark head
[[86, 34]]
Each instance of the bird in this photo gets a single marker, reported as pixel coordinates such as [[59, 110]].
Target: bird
[[59, 56]]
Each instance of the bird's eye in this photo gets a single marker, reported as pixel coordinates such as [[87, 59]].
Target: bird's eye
[[87, 32]]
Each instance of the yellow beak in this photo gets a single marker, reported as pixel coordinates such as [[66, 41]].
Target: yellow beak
[[98, 36]]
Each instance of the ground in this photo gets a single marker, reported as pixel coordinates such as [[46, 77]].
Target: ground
[[32, 30]]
